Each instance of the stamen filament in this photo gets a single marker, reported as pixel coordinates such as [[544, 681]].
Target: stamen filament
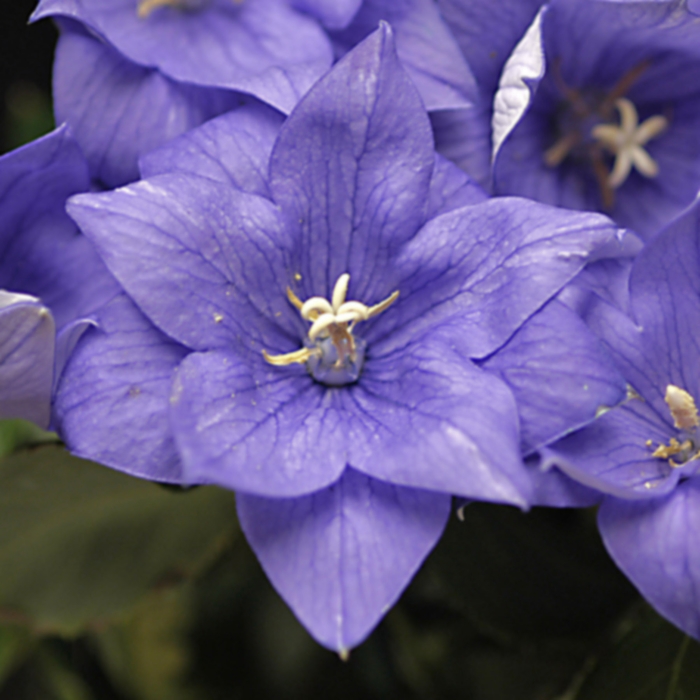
[[294, 300], [556, 154], [145, 7], [383, 305], [623, 85], [297, 357]]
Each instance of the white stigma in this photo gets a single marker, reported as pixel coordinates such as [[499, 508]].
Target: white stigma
[[627, 140], [334, 319]]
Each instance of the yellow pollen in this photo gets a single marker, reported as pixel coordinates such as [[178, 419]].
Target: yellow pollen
[[685, 417], [627, 140], [145, 7], [298, 356], [673, 448], [333, 319], [682, 407]]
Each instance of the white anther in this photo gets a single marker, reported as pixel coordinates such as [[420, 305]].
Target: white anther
[[314, 307], [626, 142], [340, 291], [682, 407]]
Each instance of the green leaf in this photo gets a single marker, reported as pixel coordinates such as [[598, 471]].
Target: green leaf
[[28, 114], [61, 682], [147, 655], [652, 660], [80, 543], [15, 643], [17, 434]]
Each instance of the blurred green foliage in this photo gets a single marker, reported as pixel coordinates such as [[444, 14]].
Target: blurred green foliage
[[112, 588], [79, 543], [28, 114]]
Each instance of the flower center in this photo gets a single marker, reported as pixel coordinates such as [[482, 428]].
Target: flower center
[[332, 354], [586, 129], [683, 448]]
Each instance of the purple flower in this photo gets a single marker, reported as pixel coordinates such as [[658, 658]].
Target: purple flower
[[50, 277], [310, 303], [264, 48], [128, 82], [580, 105], [426, 47], [131, 74], [598, 108], [119, 110], [644, 454]]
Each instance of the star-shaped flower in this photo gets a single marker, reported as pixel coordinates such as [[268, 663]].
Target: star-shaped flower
[[309, 308]]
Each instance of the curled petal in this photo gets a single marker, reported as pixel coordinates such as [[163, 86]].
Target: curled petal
[[27, 337]]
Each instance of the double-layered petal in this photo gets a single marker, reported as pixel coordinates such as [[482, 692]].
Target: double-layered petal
[[214, 245]]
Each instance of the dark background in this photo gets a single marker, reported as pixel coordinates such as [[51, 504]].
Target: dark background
[[26, 54]]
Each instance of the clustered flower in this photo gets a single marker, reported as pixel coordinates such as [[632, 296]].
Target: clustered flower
[[354, 259]]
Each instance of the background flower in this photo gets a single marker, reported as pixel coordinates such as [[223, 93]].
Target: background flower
[[353, 187], [643, 454], [53, 278], [625, 78]]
